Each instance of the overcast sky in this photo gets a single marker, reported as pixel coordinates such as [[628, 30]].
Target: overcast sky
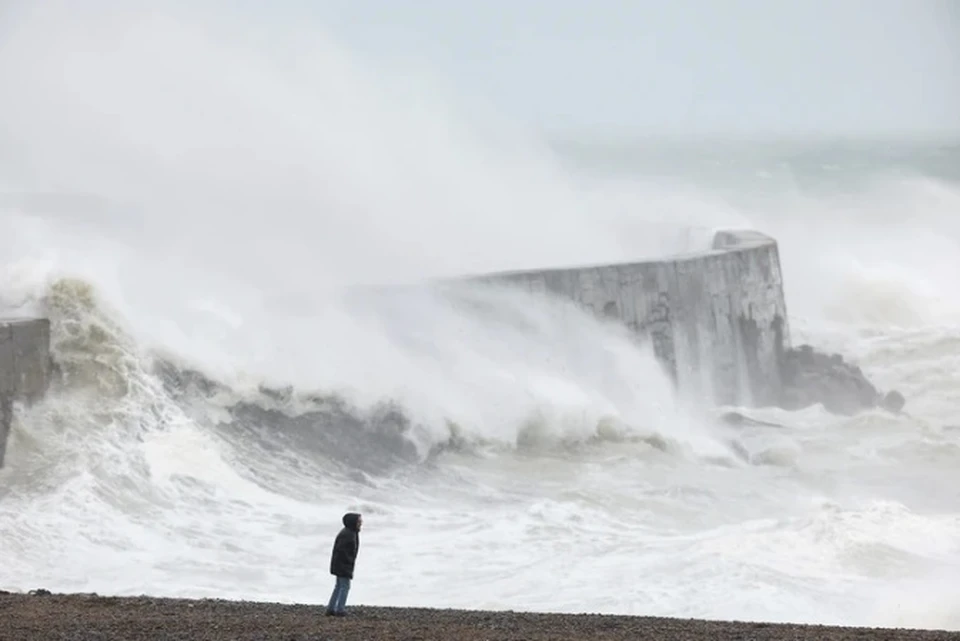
[[680, 65], [665, 66]]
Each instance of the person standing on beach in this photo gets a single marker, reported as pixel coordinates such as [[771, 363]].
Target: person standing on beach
[[342, 560]]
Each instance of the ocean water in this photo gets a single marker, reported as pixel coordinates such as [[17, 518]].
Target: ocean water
[[204, 216]]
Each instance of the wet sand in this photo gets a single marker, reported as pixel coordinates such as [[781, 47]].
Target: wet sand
[[78, 617]]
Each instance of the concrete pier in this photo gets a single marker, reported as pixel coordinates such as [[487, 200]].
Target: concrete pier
[[25, 367], [717, 319]]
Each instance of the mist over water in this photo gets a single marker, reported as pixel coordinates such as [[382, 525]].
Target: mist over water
[[204, 204]]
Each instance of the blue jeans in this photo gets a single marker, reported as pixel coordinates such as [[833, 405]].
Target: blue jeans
[[338, 600]]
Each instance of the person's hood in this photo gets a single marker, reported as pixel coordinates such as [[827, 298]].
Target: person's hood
[[350, 520]]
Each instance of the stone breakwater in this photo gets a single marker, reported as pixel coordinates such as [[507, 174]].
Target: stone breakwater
[[42, 615], [717, 321], [25, 367]]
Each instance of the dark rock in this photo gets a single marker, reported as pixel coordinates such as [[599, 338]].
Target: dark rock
[[810, 377], [893, 402]]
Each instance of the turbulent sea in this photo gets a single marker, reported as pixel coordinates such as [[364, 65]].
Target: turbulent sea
[[229, 237]]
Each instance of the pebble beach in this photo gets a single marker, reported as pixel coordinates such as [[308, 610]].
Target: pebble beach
[[82, 617]]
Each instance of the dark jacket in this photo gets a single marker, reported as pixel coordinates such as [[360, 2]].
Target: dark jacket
[[345, 548]]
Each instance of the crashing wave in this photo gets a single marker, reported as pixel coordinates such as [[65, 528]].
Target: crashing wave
[[112, 380]]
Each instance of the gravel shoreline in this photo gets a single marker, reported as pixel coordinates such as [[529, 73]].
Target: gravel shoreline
[[81, 617]]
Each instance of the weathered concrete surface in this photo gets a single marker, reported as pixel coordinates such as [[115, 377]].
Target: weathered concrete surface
[[717, 319], [25, 367]]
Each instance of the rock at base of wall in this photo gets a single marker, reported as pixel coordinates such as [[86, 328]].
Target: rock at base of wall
[[810, 377]]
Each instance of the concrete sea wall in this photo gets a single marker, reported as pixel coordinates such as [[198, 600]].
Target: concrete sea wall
[[717, 319], [25, 367]]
